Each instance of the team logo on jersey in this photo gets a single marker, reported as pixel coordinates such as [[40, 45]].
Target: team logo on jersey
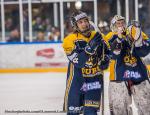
[[130, 61], [91, 62], [75, 60], [132, 74], [90, 72], [75, 109], [91, 86]]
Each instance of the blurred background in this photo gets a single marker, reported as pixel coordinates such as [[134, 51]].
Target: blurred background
[[41, 21], [48, 20]]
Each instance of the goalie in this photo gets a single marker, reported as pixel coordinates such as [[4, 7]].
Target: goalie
[[129, 76], [84, 49]]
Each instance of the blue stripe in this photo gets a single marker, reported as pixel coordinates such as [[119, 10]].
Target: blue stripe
[[28, 43]]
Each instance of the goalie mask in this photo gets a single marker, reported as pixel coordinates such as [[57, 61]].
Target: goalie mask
[[113, 25], [76, 16]]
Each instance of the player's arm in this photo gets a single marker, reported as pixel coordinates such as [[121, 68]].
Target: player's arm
[[78, 53], [139, 38], [105, 59], [116, 44]]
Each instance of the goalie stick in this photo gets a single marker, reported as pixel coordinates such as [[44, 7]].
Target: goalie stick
[[132, 109]]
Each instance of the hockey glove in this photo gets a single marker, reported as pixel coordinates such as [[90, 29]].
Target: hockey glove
[[116, 46], [104, 64], [93, 44]]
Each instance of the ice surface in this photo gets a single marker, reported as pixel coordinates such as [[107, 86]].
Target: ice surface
[[32, 92]]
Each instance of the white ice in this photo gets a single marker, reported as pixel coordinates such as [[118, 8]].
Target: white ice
[[33, 92]]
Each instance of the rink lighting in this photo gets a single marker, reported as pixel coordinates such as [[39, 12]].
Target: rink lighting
[[78, 5]]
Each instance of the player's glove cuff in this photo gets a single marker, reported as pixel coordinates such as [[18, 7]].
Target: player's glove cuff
[[90, 50]]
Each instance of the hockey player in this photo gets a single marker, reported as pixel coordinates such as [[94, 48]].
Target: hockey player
[[88, 57], [129, 81]]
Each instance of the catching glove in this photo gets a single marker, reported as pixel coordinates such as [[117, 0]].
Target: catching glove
[[134, 28], [116, 46]]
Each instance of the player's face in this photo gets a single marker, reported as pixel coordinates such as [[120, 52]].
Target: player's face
[[120, 23], [83, 24]]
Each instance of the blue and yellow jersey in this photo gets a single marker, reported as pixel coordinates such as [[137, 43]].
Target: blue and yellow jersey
[[69, 41], [83, 63], [83, 67], [126, 65]]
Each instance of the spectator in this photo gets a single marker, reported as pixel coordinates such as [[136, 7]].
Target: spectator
[[8, 24], [50, 36], [57, 35], [47, 25], [14, 36], [37, 26], [54, 35], [40, 37], [103, 26]]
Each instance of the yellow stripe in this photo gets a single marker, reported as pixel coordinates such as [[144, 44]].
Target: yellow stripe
[[112, 70], [90, 105], [68, 86], [32, 70], [148, 66], [40, 70], [36, 70]]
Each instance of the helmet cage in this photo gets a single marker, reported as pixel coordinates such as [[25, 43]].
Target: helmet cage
[[114, 20], [77, 16]]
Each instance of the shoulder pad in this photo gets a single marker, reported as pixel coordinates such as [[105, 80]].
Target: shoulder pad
[[68, 43]]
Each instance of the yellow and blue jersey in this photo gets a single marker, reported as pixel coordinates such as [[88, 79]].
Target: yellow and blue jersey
[[74, 45], [127, 66], [84, 73]]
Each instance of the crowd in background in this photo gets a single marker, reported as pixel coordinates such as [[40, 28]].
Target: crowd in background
[[43, 19]]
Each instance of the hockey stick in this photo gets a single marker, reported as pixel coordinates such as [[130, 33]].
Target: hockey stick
[[98, 30], [103, 54], [133, 107]]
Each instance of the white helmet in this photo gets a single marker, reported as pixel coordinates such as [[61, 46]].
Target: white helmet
[[114, 20]]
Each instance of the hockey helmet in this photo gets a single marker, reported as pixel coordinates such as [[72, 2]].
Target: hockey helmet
[[114, 20], [77, 16]]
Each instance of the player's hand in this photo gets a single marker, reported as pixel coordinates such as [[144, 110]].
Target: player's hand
[[104, 64], [116, 46], [93, 44], [120, 31], [95, 41]]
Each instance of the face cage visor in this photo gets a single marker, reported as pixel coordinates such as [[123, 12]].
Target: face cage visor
[[114, 20], [77, 18]]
